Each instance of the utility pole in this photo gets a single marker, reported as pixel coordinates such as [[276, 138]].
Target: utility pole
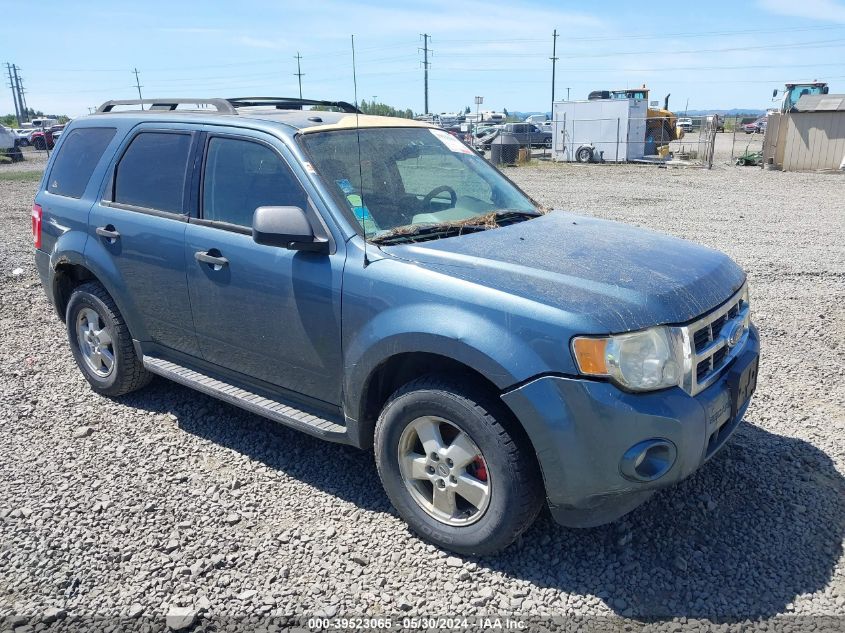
[[554, 61], [138, 86], [426, 64], [299, 74], [19, 91], [24, 108], [567, 94], [14, 94]]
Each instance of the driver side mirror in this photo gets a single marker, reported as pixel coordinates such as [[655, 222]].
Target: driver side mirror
[[774, 93], [287, 227]]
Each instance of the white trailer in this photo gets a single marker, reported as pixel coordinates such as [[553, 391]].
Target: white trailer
[[610, 130]]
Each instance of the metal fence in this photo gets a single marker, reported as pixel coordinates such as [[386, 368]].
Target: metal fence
[[706, 140], [635, 139]]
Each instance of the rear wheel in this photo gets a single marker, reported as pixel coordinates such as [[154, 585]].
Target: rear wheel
[[101, 343], [454, 469], [40, 143]]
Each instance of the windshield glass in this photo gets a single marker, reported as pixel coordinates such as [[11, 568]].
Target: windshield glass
[[799, 91], [411, 177]]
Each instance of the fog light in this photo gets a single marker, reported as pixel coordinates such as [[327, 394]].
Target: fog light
[[648, 460]]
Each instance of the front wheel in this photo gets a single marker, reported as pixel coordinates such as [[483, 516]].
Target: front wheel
[[454, 467]]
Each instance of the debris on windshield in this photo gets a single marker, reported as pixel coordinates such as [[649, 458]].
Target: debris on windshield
[[434, 230]]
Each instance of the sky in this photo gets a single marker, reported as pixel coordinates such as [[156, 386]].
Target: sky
[[713, 55]]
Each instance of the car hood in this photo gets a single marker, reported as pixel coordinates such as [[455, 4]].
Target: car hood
[[621, 277]]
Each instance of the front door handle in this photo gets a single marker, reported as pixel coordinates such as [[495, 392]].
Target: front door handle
[[215, 261], [108, 232]]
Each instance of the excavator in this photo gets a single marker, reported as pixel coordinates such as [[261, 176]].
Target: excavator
[[661, 125]]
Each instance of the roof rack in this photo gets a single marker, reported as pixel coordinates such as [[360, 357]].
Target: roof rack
[[222, 105], [290, 103], [227, 106]]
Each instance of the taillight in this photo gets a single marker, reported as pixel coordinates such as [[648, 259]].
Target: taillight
[[37, 214]]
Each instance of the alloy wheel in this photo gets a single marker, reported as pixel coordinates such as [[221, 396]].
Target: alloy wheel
[[95, 342], [444, 471]]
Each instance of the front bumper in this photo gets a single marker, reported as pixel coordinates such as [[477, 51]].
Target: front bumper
[[581, 430]]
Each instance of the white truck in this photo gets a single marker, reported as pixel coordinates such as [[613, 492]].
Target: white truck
[[9, 144]]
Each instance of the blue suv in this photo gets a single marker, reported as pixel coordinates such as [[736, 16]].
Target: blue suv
[[373, 281]]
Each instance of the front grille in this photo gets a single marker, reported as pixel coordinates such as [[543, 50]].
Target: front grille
[[711, 351]]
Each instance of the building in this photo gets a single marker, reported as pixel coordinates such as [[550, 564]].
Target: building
[[811, 137]]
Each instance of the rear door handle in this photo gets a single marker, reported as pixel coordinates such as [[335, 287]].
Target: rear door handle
[[216, 261], [108, 232]]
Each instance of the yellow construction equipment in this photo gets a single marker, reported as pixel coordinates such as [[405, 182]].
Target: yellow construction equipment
[[661, 125]]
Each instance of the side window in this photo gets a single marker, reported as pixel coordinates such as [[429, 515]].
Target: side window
[[241, 176], [152, 171], [78, 156]]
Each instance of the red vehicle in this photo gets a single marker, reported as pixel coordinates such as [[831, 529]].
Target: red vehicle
[[45, 138], [758, 126]]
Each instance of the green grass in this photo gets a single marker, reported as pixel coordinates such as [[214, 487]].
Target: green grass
[[20, 176]]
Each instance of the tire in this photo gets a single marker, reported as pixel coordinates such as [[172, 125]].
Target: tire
[[503, 465], [92, 309], [584, 155], [40, 143]]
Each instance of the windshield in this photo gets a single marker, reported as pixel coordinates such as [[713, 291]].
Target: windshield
[[793, 95], [411, 177]]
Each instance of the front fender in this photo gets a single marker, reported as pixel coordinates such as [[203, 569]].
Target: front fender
[[450, 331]]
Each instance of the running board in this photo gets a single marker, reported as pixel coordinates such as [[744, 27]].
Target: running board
[[276, 410]]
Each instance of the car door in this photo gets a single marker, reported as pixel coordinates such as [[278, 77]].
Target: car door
[[137, 233], [265, 312]]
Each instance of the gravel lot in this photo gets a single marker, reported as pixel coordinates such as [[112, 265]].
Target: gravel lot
[[169, 502]]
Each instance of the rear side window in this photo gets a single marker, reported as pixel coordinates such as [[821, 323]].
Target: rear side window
[[152, 171], [241, 176], [81, 150]]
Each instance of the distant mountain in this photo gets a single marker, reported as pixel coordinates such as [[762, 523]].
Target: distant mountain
[[731, 112]]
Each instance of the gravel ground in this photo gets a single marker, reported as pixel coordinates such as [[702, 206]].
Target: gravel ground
[[169, 502]]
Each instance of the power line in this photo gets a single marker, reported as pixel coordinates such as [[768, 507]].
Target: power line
[[645, 36]]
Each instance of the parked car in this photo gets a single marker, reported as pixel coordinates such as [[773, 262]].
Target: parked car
[[56, 131], [23, 136], [411, 301], [716, 120], [685, 124], [537, 119], [528, 135], [42, 139], [758, 126]]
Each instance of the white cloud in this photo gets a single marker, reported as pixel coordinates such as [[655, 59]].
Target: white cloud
[[194, 30], [257, 42], [822, 10]]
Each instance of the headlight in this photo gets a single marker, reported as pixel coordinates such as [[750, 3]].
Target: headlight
[[639, 361]]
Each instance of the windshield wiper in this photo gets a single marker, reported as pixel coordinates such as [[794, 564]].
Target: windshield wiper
[[509, 216], [421, 232], [430, 231]]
